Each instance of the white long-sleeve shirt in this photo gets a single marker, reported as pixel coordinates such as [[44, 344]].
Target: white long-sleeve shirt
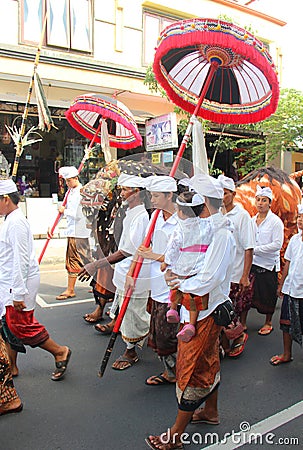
[[214, 278], [76, 223], [19, 269], [244, 237], [133, 232], [269, 237], [293, 283]]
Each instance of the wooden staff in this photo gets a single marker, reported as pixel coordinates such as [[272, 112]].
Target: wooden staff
[[85, 157], [19, 147]]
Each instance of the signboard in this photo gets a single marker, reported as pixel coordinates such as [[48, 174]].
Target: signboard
[[156, 158], [161, 132], [168, 157]]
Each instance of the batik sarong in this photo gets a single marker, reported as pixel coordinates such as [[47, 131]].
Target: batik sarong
[[291, 319], [77, 255], [198, 365], [242, 299], [7, 390], [162, 335]]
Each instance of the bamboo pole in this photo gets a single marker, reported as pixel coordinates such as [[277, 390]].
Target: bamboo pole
[[19, 147]]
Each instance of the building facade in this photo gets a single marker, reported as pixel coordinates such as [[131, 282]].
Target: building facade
[[94, 46]]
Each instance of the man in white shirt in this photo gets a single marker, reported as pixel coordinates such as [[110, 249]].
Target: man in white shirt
[[162, 335], [198, 363], [19, 283], [269, 236], [135, 325], [241, 288], [78, 249], [291, 285]]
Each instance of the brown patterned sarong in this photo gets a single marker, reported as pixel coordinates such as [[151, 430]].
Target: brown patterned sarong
[[162, 335], [77, 255], [8, 392], [242, 300], [198, 365]]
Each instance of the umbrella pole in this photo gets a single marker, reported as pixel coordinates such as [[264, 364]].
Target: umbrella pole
[[85, 157], [148, 237], [19, 147]]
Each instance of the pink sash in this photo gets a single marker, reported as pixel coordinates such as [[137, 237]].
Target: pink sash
[[195, 248]]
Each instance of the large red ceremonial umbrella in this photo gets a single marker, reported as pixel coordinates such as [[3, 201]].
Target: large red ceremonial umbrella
[[103, 120], [214, 70], [86, 112]]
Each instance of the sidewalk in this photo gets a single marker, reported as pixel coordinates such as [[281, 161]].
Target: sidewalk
[[55, 251]]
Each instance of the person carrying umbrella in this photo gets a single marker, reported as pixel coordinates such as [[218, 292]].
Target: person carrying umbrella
[[78, 249], [198, 362], [162, 335], [135, 324]]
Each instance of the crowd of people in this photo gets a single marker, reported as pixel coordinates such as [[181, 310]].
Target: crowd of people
[[206, 253]]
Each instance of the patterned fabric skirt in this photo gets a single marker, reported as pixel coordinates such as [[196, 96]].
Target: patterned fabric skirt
[[26, 327], [198, 365], [265, 290], [162, 335], [77, 255], [242, 300], [135, 323], [8, 392], [291, 318]]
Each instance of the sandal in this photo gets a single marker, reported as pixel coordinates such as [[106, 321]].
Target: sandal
[[155, 443], [104, 329], [61, 367], [89, 319], [125, 359]]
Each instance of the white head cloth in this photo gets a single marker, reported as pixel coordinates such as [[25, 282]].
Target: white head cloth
[[161, 183], [68, 172], [185, 182], [131, 181], [264, 191], [7, 187], [207, 186], [227, 183], [195, 201], [300, 208]]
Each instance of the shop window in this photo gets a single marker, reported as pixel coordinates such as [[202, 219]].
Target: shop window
[[69, 23], [153, 24]]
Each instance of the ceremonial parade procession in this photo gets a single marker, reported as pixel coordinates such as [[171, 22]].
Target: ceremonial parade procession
[[151, 218]]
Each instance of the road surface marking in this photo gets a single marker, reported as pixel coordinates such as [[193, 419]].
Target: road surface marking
[[263, 427], [44, 304]]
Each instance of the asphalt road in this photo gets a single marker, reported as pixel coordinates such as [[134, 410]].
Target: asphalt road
[[118, 411]]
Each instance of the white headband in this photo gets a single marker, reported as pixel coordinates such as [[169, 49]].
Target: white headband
[[195, 201], [131, 181], [161, 183], [264, 191], [7, 187], [68, 172], [227, 183], [207, 186]]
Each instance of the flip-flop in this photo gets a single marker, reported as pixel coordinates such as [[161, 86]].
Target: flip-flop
[[65, 296], [160, 380], [61, 367], [239, 346], [107, 329], [207, 422], [279, 360], [167, 446], [130, 362], [265, 331]]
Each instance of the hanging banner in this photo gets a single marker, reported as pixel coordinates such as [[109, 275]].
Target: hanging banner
[[161, 132]]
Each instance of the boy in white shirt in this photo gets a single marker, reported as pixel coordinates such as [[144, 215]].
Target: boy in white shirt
[[291, 285]]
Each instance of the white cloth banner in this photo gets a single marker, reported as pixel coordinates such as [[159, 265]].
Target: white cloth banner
[[198, 147]]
